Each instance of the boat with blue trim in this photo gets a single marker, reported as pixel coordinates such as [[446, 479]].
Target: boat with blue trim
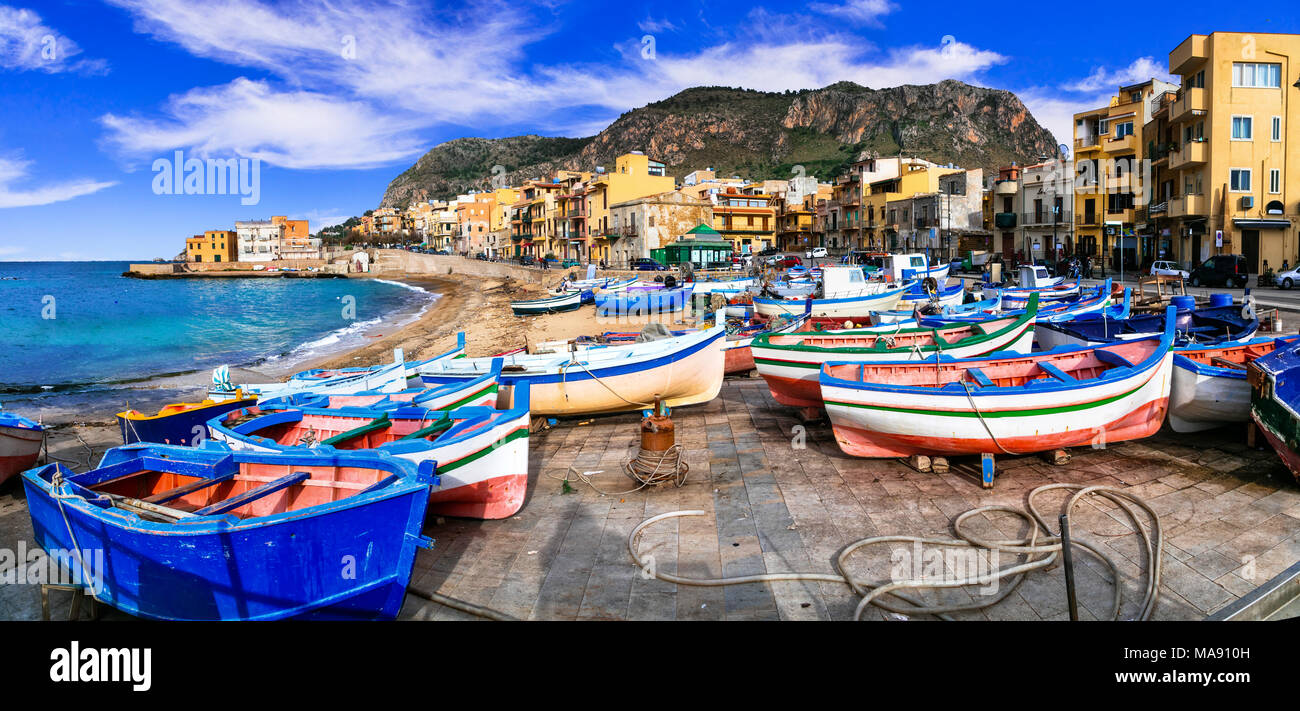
[[1206, 326], [1209, 386], [183, 423], [20, 443], [482, 452], [205, 533], [1274, 381], [1001, 403], [682, 370], [567, 301]]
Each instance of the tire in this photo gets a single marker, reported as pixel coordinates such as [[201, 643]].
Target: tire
[[1286, 283], [1196, 281]]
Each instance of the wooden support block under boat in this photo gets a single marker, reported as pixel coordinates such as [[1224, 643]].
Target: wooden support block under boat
[[939, 465], [1057, 456], [987, 466], [919, 462]]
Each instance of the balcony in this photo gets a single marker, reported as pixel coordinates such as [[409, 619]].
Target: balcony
[[1120, 214], [1087, 143], [1190, 103], [1189, 54], [1188, 205], [1004, 220], [1006, 187], [1192, 153], [1087, 219], [1046, 217], [1127, 144]]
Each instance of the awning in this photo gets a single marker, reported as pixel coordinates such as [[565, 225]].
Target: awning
[[1268, 224]]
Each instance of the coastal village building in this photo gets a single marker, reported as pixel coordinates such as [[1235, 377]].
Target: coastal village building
[[635, 175], [1232, 126], [212, 246], [1046, 203], [1112, 177], [648, 225], [296, 241], [1005, 197], [746, 218], [259, 240]]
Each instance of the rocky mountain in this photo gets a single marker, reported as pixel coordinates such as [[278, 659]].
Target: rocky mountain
[[758, 135]]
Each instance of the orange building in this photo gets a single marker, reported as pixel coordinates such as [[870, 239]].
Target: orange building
[[211, 246], [295, 238]]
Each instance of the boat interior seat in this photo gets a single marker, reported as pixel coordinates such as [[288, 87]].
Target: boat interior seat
[[1120, 363], [379, 423], [980, 377], [1051, 369]]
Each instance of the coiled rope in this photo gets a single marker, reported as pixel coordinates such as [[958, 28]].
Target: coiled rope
[[1037, 555], [648, 468]]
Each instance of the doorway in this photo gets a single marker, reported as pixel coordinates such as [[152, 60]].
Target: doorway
[[1250, 248]]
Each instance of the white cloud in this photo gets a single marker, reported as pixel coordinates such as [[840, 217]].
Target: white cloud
[[294, 129], [6, 251], [12, 170], [26, 44], [351, 87], [861, 12], [650, 24], [1142, 69]]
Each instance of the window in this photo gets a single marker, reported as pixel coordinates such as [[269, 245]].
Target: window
[[1277, 128], [1239, 180], [1243, 128], [1124, 129], [1275, 181], [1256, 75]]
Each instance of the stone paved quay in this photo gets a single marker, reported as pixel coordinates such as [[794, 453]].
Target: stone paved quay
[[774, 507]]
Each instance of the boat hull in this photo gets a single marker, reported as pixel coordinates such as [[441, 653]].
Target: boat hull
[[264, 568], [183, 428], [686, 376], [1199, 401], [850, 307], [873, 423], [792, 376], [19, 448]]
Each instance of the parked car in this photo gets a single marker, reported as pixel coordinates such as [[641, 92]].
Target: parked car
[[646, 264], [815, 253], [1221, 270], [1168, 269], [1287, 279], [787, 261], [527, 260], [570, 263]]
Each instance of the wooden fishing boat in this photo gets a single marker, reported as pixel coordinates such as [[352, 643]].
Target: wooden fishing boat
[[739, 358], [482, 453], [549, 305], [1014, 296], [20, 444], [1000, 404], [1192, 326], [947, 294], [1092, 300], [1274, 381], [640, 302], [177, 423], [790, 363], [884, 298], [183, 533], [388, 377], [1209, 382], [479, 392], [605, 284], [683, 370]]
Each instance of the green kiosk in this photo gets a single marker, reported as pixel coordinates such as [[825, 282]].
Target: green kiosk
[[702, 246]]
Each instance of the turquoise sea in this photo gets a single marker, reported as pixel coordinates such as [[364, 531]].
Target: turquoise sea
[[76, 334]]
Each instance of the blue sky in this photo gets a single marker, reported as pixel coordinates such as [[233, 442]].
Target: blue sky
[[336, 98]]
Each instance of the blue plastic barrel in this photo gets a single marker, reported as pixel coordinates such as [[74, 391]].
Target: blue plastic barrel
[[1220, 299], [1184, 303]]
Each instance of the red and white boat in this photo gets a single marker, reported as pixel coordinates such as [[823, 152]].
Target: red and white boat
[[790, 363], [20, 444], [1008, 405]]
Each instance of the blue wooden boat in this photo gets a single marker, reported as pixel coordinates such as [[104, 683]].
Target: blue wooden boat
[[184, 533], [1274, 381], [637, 302], [1209, 387], [182, 423], [1093, 299], [1207, 326]]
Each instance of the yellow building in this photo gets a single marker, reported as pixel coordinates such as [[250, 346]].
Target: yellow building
[[1114, 183], [212, 246], [634, 176], [1232, 124], [892, 228]]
